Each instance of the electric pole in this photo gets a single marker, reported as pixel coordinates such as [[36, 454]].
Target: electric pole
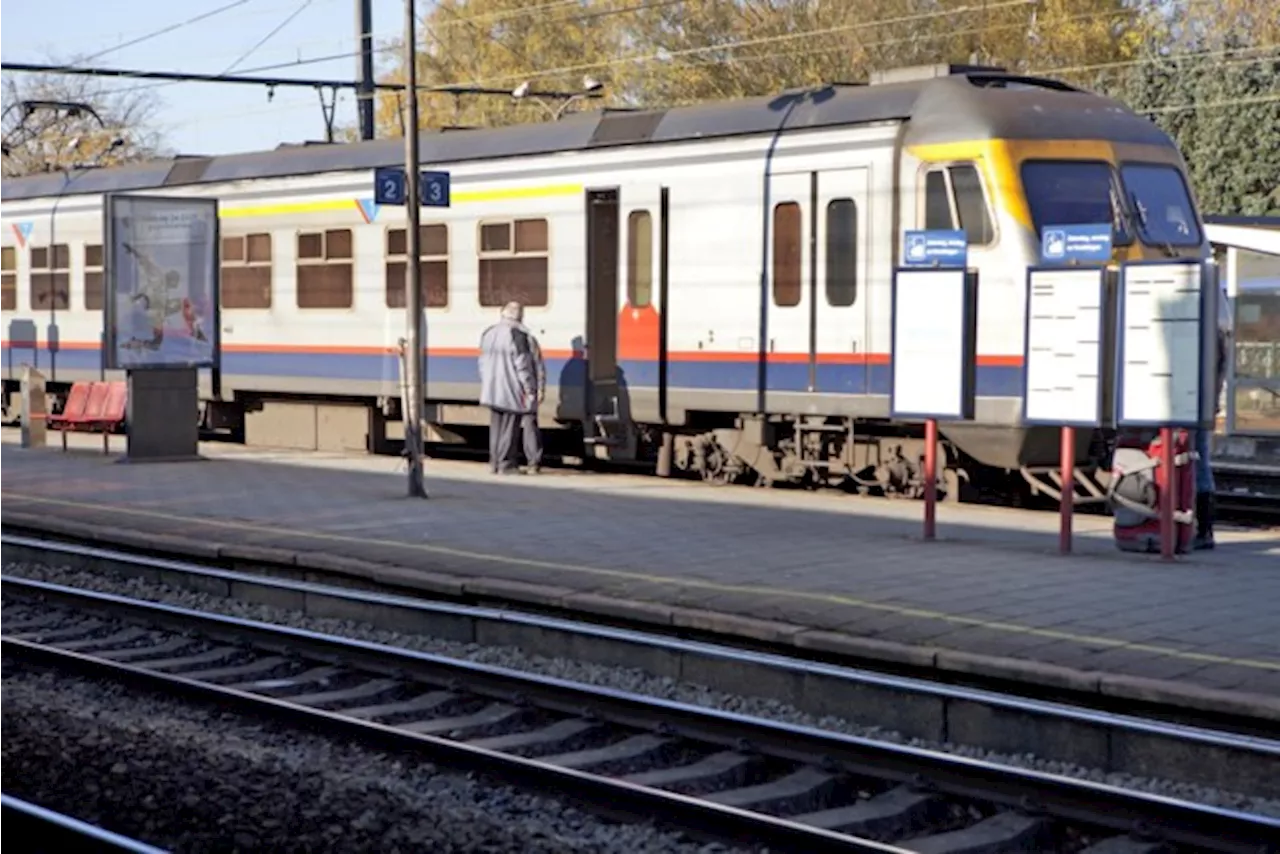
[[413, 290], [364, 67]]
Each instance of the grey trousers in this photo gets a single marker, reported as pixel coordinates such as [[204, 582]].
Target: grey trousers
[[504, 439]]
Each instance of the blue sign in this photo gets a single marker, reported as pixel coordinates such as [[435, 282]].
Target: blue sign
[[1062, 244], [935, 248], [389, 187]]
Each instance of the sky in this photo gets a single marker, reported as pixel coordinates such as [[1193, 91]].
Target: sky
[[207, 118]]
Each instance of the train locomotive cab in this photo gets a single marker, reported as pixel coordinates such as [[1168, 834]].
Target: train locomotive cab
[[1002, 158]]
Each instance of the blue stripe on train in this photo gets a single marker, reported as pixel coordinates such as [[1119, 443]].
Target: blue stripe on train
[[992, 380]]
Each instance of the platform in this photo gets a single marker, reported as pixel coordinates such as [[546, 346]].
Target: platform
[[823, 571]]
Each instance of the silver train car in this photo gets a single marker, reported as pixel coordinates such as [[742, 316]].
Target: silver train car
[[710, 284]]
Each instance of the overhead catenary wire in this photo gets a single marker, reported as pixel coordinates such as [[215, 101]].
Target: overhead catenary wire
[[165, 30], [296, 12], [704, 49]]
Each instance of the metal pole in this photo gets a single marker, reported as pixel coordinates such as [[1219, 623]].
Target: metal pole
[[364, 66], [413, 292]]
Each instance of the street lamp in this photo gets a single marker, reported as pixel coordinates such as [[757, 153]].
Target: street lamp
[[591, 88]]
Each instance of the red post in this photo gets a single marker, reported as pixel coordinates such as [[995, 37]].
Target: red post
[[1167, 532], [930, 477], [1067, 502]]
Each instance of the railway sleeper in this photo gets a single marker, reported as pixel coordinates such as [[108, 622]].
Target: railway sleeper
[[1126, 845], [799, 791], [428, 702], [899, 812], [179, 663], [115, 639], [281, 686], [143, 654], [1002, 833], [556, 736], [716, 771]]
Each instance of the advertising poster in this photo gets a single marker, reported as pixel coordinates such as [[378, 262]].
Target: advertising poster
[[162, 282]]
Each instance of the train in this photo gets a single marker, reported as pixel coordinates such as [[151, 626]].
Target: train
[[710, 284]]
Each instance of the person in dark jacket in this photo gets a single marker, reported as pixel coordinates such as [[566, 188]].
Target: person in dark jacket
[[509, 387], [1204, 438]]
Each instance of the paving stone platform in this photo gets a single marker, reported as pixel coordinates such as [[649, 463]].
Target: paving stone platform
[[822, 571]]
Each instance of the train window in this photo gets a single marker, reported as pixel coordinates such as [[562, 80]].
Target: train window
[[246, 271], [842, 252], [953, 199], [971, 205], [1161, 204], [433, 265], [325, 270], [9, 278], [51, 277], [787, 241], [639, 259], [513, 261], [937, 202], [495, 237], [1073, 192], [94, 293]]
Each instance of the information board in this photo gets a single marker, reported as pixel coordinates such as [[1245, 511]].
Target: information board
[[1164, 366], [934, 344], [162, 296], [1064, 346]]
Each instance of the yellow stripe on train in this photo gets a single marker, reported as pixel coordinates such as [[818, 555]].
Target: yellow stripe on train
[[354, 205]]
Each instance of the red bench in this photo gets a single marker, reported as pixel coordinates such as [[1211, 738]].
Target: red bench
[[93, 407]]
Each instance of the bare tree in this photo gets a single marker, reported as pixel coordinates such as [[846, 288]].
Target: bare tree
[[55, 137]]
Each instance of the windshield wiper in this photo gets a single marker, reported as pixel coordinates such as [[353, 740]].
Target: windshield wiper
[[1137, 208]]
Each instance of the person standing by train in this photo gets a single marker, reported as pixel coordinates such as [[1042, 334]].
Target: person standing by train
[[1204, 438], [510, 386]]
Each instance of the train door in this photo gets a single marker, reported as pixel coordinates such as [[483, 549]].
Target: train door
[[601, 347], [640, 357], [839, 289], [787, 342]]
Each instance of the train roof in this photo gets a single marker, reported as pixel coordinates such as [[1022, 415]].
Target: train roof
[[939, 103]]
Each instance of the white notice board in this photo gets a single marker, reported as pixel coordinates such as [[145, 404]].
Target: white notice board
[[933, 346], [1063, 347], [1162, 357]]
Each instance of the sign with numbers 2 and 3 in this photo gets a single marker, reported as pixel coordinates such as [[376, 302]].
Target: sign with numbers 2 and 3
[[389, 187]]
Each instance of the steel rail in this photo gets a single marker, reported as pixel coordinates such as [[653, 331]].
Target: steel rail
[[606, 795], [56, 831], [800, 667], [1096, 804]]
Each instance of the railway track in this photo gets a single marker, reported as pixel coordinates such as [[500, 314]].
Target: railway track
[[713, 773], [32, 829]]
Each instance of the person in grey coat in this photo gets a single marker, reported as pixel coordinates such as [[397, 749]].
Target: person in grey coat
[[512, 384]]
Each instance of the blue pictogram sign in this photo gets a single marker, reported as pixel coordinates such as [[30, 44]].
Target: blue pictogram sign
[[1088, 243], [935, 249]]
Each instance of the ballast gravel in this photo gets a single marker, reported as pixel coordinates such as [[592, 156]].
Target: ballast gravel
[[183, 777], [620, 678]]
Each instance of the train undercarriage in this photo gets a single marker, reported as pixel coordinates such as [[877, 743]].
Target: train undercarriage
[[974, 462]]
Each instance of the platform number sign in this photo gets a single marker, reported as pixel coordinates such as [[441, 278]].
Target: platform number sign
[[389, 187]]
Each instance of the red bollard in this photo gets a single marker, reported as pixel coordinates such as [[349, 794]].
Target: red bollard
[[1167, 533], [1067, 501], [930, 477]]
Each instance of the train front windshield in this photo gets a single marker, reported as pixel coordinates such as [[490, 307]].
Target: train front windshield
[[1148, 198]]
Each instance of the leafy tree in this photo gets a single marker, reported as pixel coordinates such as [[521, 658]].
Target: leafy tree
[[55, 138], [498, 44], [1209, 77]]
